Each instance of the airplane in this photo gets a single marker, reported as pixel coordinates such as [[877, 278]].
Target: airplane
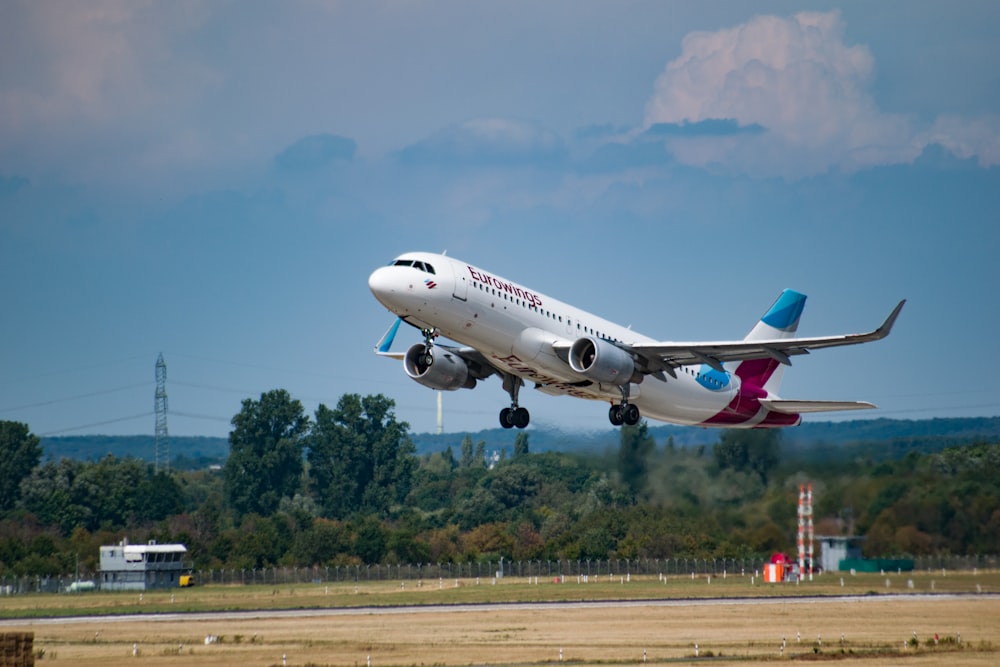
[[523, 336]]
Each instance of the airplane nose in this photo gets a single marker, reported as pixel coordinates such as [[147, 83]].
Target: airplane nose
[[380, 283]]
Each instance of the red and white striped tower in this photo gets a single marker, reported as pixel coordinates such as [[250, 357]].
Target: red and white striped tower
[[802, 530], [809, 528]]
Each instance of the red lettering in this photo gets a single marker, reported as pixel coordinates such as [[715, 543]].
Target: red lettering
[[492, 281], [518, 366]]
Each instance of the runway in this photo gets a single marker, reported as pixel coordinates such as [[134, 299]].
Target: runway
[[869, 628], [277, 614]]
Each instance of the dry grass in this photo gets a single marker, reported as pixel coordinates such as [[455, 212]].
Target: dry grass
[[874, 627]]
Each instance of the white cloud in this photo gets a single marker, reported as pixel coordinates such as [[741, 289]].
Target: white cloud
[[812, 92], [967, 137], [86, 83]]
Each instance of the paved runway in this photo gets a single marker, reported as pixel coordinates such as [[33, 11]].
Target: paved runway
[[460, 608]]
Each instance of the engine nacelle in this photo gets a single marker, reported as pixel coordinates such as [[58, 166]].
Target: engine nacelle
[[448, 372], [599, 360]]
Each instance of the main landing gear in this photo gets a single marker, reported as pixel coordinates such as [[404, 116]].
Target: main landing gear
[[514, 416], [625, 412]]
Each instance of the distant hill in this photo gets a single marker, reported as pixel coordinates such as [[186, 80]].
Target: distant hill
[[187, 451], [876, 439], [837, 439]]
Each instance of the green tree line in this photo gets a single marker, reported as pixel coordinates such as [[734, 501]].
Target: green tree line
[[344, 487]]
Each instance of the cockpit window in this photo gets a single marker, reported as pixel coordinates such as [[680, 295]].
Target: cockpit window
[[417, 264]]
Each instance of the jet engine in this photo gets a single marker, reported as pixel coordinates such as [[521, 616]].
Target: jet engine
[[446, 372], [599, 360]]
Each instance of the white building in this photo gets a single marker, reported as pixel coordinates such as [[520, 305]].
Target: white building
[[140, 567], [835, 548]]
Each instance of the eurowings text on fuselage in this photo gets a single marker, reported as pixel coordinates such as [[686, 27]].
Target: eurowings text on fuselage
[[522, 336]]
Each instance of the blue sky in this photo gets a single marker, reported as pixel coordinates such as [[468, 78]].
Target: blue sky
[[216, 180]]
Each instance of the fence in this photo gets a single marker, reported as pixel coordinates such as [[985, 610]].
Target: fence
[[12, 585], [479, 570]]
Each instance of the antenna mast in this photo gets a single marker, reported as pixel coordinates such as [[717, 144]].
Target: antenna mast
[[161, 449], [440, 424]]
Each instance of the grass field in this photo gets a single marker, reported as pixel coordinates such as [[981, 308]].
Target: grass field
[[877, 628]]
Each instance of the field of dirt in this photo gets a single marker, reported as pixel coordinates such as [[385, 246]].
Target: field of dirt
[[863, 630]]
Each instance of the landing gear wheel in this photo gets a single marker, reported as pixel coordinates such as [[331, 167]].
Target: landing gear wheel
[[616, 416], [507, 418], [514, 415], [631, 414], [428, 358]]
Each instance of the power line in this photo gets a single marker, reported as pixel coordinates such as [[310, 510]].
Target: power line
[[144, 415], [74, 398]]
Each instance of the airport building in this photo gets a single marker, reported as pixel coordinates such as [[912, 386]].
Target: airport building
[[141, 567], [837, 548]]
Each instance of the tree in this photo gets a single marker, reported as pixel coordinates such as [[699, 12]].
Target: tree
[[754, 450], [361, 459], [265, 453], [633, 456], [370, 541], [514, 485], [520, 444], [20, 452], [466, 461], [479, 458], [48, 493]]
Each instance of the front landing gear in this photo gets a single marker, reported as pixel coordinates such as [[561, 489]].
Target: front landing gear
[[625, 412], [514, 416], [429, 335]]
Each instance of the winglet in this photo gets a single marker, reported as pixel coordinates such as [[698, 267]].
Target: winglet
[[384, 343], [886, 327]]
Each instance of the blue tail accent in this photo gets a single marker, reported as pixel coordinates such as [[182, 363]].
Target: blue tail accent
[[390, 335], [786, 311]]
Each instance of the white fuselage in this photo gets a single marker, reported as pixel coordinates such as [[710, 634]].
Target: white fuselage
[[515, 328]]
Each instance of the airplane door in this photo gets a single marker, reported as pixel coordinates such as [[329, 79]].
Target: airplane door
[[461, 288]]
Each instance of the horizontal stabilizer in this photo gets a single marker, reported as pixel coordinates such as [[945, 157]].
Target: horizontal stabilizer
[[797, 407]]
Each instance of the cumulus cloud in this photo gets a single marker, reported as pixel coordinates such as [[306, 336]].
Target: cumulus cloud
[[87, 83], [797, 79], [488, 141], [712, 127], [967, 137]]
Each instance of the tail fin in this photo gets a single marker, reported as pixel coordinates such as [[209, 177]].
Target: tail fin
[[382, 348], [780, 321]]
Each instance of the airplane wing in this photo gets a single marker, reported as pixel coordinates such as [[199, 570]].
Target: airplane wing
[[479, 366], [666, 356], [798, 407]]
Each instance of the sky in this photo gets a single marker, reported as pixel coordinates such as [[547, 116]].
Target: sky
[[215, 181]]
